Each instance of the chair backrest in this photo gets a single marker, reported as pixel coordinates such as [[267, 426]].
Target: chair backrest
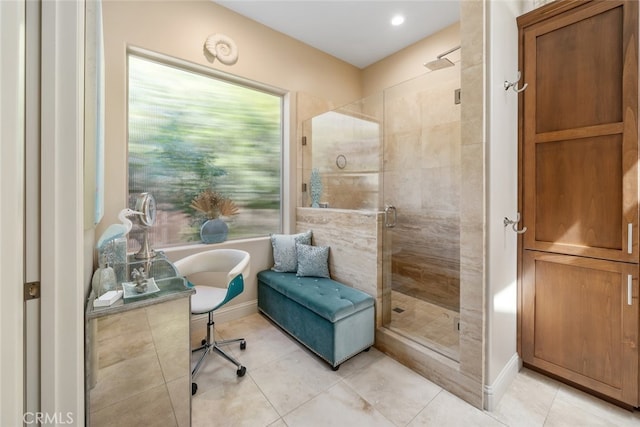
[[229, 261]]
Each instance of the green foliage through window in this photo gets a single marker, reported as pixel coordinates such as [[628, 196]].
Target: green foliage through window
[[189, 132]]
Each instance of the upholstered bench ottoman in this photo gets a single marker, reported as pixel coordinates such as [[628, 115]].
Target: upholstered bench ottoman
[[333, 320]]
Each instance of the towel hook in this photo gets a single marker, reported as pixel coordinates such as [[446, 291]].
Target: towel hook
[[513, 85], [513, 224]]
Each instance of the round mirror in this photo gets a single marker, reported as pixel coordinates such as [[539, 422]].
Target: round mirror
[[146, 204]]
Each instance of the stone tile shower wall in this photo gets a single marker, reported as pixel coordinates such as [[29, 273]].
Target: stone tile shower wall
[[422, 180], [355, 241], [418, 124]]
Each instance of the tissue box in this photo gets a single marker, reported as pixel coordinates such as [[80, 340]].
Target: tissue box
[[107, 299]]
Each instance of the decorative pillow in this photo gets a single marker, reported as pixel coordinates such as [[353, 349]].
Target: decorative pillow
[[284, 250], [313, 260]]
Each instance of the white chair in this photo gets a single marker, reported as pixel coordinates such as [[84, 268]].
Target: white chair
[[225, 270]]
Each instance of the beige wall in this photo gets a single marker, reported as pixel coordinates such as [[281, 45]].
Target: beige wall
[[408, 63], [501, 200], [179, 29], [316, 81]]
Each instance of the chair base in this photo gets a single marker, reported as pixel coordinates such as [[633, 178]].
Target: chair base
[[209, 344]]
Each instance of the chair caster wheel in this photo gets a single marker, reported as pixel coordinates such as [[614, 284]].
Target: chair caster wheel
[[335, 368], [194, 388], [240, 372], [243, 345], [203, 342]]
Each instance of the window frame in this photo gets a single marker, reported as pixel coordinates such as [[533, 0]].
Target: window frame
[[284, 95]]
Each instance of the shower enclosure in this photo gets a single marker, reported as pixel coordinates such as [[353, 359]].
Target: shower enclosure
[[398, 152]]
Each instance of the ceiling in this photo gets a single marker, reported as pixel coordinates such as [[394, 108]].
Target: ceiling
[[356, 31]]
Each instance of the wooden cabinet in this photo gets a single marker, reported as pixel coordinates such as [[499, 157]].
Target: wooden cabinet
[[579, 324], [578, 117]]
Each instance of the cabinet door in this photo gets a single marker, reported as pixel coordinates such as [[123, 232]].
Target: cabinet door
[[580, 321], [579, 130]]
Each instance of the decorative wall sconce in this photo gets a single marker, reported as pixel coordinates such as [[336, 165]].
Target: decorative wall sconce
[[221, 47]]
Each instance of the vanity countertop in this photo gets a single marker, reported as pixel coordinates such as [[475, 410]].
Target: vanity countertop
[[171, 286]]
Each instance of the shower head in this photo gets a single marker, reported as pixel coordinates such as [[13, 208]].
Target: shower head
[[440, 61], [439, 64]]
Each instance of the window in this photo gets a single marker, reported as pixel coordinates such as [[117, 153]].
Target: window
[[191, 131]]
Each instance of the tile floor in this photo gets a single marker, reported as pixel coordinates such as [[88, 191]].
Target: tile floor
[[426, 323], [286, 385]]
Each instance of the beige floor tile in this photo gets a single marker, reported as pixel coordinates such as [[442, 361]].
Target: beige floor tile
[[288, 386], [262, 349], [181, 404], [223, 399], [294, 379], [527, 401], [247, 327], [448, 410], [426, 323], [393, 389], [359, 361], [214, 371], [153, 404], [338, 406], [573, 407]]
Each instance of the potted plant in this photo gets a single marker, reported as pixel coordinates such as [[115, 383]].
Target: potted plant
[[212, 205]]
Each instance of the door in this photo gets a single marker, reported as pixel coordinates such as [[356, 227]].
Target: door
[[583, 322], [421, 183], [580, 135], [32, 209], [12, 63], [41, 86], [579, 194]]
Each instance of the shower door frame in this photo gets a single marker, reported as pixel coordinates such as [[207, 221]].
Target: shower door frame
[[436, 216]]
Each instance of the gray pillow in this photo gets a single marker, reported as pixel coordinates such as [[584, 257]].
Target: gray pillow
[[313, 261], [285, 259]]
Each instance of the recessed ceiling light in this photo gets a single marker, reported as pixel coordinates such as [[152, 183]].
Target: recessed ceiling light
[[397, 20]]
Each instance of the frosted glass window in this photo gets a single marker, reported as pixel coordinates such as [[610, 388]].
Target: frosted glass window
[[189, 132]]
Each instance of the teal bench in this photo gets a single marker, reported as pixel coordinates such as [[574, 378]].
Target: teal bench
[[333, 320]]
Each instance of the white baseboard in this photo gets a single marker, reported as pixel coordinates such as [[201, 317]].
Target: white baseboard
[[232, 312], [494, 392]]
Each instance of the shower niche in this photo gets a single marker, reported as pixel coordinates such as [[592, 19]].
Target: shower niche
[[395, 156]]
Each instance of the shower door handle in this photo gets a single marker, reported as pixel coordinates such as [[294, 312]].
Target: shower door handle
[[390, 210]]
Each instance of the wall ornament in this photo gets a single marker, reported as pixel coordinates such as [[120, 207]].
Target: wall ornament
[[221, 47]]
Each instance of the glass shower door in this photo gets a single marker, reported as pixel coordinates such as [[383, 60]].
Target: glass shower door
[[343, 147], [420, 198]]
